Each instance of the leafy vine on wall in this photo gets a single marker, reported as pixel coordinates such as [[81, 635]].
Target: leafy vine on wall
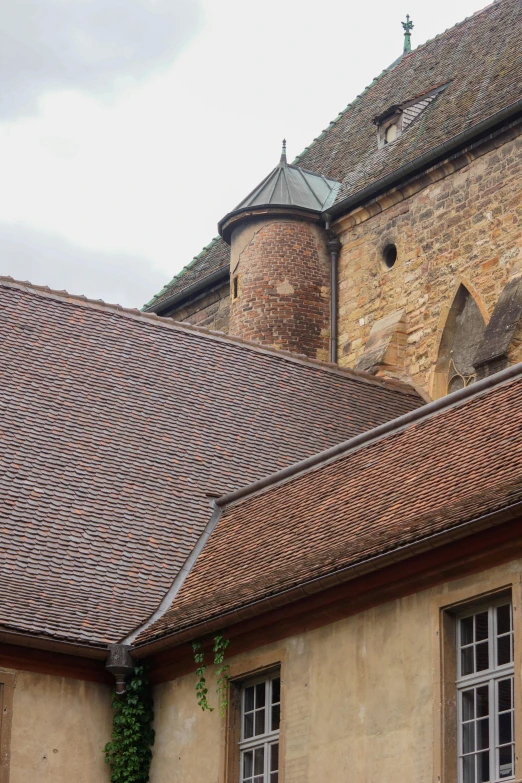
[[129, 752], [219, 646]]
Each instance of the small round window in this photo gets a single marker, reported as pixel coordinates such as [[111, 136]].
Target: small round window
[[389, 255]]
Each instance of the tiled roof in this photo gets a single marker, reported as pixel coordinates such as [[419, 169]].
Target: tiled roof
[[115, 427], [480, 61], [212, 258], [444, 469]]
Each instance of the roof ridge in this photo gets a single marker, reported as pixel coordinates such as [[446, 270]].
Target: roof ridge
[[182, 271], [366, 438], [153, 319], [403, 57]]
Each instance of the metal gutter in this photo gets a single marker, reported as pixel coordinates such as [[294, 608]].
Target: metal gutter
[[220, 274], [44, 643], [343, 575], [180, 577], [395, 425], [428, 158]]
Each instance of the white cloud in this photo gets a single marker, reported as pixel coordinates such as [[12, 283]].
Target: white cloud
[[150, 173]]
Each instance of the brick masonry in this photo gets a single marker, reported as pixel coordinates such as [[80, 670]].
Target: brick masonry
[[284, 294], [464, 228], [210, 309]]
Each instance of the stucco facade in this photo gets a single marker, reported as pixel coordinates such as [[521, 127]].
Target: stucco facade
[[361, 698], [59, 727]]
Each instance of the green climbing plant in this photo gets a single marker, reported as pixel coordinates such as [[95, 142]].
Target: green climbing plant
[[219, 646], [129, 752]]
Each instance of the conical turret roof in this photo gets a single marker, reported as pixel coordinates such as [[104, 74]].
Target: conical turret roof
[[289, 186]]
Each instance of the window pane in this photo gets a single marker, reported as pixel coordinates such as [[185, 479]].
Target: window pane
[[504, 619], [466, 630], [468, 737], [260, 722], [248, 764], [504, 695], [248, 726], [260, 694], [504, 649], [259, 761], [468, 769], [483, 734], [505, 757], [276, 710], [482, 656], [481, 626], [274, 757], [259, 779], [274, 777], [249, 699], [482, 701], [483, 767], [467, 660], [504, 728], [468, 704], [276, 690]]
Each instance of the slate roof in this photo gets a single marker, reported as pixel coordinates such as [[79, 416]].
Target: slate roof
[[440, 471], [291, 186], [114, 428], [480, 61]]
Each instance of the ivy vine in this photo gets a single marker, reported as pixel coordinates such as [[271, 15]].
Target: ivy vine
[[129, 751], [219, 646]]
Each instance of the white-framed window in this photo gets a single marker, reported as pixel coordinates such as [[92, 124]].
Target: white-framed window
[[485, 693], [259, 739]]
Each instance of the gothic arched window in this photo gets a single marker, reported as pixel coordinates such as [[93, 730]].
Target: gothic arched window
[[460, 339]]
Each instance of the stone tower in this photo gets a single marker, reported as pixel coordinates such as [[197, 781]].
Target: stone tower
[[280, 270]]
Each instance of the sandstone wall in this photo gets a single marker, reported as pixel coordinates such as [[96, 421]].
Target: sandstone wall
[[361, 698], [58, 731], [465, 228], [283, 286]]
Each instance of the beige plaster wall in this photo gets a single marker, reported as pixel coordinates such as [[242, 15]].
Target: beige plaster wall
[[59, 728], [358, 698], [466, 227]]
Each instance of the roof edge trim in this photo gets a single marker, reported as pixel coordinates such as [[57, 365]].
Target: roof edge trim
[[160, 307], [428, 158], [179, 579], [320, 583], [96, 650], [377, 433]]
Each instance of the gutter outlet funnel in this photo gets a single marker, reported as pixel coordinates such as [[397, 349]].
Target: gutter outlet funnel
[[120, 664]]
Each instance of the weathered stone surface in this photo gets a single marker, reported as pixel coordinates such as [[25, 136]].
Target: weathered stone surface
[[210, 309], [463, 229]]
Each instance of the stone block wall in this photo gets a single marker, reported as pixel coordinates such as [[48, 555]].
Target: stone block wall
[[463, 226], [210, 309], [283, 291]]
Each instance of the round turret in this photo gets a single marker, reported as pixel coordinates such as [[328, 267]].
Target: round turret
[[279, 268]]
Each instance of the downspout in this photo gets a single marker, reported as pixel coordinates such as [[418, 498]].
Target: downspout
[[333, 245]]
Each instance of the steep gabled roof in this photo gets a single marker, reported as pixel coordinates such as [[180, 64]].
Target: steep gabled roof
[[479, 61], [338, 515], [115, 428]]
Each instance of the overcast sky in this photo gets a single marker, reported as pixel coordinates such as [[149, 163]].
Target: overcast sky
[[129, 127]]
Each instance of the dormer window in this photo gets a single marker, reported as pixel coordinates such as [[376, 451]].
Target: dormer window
[[390, 128], [393, 122]]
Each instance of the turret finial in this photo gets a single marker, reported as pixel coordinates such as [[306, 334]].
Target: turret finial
[[283, 152], [408, 27]]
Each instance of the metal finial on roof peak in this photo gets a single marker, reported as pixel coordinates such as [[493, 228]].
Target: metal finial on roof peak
[[283, 152], [408, 27]]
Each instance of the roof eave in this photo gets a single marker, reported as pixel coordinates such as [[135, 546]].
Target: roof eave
[[427, 159], [227, 224], [330, 580]]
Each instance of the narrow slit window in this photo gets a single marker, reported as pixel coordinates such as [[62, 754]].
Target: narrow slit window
[[259, 741], [235, 287], [485, 673]]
